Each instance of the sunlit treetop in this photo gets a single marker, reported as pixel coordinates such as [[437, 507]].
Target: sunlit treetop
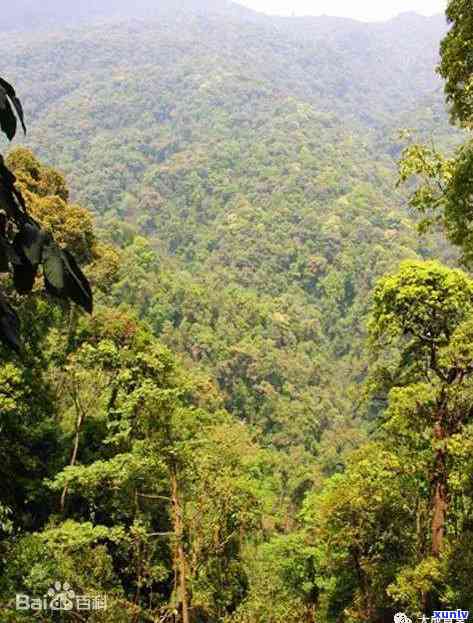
[[424, 301]]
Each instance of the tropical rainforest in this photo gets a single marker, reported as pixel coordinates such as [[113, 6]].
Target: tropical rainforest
[[267, 416]]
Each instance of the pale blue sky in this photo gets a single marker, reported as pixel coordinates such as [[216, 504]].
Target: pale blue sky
[[367, 10]]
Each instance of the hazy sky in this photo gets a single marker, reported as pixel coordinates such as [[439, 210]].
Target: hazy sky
[[358, 9]]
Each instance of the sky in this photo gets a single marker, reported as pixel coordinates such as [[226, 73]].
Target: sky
[[366, 10]]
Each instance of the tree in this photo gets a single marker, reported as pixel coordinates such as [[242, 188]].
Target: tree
[[361, 532], [425, 313]]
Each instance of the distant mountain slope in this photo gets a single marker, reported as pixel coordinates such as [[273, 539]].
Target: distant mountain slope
[[257, 155], [32, 15], [365, 71], [388, 65], [165, 122]]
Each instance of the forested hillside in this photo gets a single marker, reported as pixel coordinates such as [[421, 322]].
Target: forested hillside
[[247, 149], [225, 400]]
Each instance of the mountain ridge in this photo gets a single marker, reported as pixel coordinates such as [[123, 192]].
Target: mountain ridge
[[25, 15]]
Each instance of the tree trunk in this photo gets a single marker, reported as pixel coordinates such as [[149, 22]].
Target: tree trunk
[[439, 517], [180, 565], [80, 418], [440, 496], [369, 612]]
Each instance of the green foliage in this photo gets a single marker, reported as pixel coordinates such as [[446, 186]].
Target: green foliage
[[282, 577], [444, 184], [424, 301], [201, 441], [362, 524], [457, 66]]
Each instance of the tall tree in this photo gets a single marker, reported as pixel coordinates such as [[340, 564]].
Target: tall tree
[[425, 312]]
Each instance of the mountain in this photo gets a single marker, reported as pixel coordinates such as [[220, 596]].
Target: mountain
[[250, 151], [26, 15], [215, 443], [340, 65], [374, 71]]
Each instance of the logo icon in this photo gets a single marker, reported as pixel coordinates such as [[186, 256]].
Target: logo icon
[[62, 596], [400, 617]]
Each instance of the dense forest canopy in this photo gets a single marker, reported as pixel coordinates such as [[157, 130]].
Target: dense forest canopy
[[267, 418], [252, 152]]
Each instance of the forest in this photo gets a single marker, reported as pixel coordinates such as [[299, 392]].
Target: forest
[[267, 416]]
